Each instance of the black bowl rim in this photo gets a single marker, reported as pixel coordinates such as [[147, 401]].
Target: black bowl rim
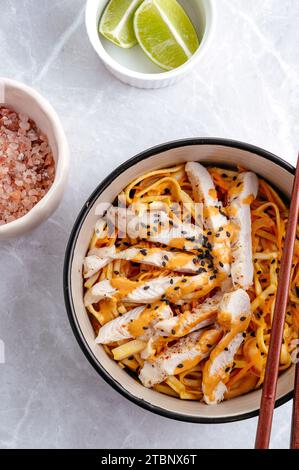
[[69, 258]]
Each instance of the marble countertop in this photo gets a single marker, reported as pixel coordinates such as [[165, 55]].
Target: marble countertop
[[246, 88]]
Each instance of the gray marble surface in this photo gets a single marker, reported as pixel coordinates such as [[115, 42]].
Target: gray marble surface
[[246, 88]]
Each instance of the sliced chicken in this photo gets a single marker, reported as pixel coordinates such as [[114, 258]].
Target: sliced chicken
[[96, 259], [215, 221], [199, 317], [174, 289], [101, 290], [172, 261], [157, 227], [233, 317], [204, 191], [187, 352], [240, 197], [137, 322]]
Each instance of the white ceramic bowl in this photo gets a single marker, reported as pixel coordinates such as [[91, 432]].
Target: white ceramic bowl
[[210, 151], [24, 99], [131, 65]]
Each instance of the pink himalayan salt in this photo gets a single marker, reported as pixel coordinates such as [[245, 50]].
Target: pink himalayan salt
[[27, 167]]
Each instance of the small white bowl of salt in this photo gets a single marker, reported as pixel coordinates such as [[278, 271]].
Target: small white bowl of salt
[[34, 159]]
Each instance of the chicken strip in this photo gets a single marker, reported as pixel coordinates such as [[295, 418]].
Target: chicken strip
[[199, 317], [173, 289], [157, 227], [172, 261], [134, 323], [215, 221], [186, 353], [233, 316], [240, 197], [96, 259]]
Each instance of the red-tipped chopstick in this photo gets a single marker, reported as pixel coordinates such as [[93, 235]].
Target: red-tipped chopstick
[[270, 383]]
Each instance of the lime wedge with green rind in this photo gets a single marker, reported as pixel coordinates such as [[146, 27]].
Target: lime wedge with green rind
[[116, 23], [165, 33]]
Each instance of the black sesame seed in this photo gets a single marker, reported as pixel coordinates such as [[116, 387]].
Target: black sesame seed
[[184, 280], [180, 366], [176, 288], [145, 327], [217, 235], [221, 264], [259, 272], [173, 332], [225, 349], [146, 287], [171, 281], [201, 270], [228, 234], [242, 318], [116, 272], [273, 261], [234, 178], [227, 369], [277, 270]]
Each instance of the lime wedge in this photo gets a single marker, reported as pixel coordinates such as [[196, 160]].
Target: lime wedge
[[165, 33], [116, 23]]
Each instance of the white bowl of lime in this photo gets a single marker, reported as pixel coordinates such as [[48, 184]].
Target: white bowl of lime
[[149, 43]]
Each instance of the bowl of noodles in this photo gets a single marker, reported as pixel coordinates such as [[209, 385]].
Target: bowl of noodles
[[171, 273]]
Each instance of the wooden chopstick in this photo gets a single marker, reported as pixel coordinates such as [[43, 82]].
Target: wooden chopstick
[[270, 382]]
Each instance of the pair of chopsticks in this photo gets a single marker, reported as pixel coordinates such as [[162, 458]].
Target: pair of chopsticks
[[272, 367]]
